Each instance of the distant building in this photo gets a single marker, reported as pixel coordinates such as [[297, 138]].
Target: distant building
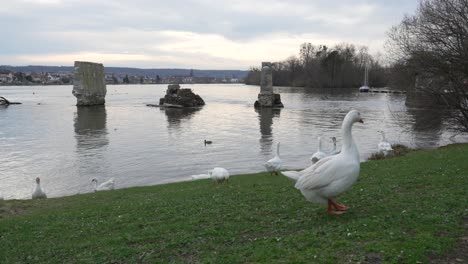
[[181, 79], [53, 78], [6, 77]]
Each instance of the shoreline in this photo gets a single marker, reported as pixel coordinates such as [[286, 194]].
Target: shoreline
[[403, 209], [188, 178]]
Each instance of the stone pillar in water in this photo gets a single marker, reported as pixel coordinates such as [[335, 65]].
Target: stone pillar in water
[[266, 79], [266, 97], [89, 84]]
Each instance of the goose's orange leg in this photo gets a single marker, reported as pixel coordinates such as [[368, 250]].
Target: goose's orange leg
[[330, 210], [339, 207]]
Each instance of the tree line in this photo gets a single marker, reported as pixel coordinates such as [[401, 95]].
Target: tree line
[[320, 66], [432, 47], [428, 52]]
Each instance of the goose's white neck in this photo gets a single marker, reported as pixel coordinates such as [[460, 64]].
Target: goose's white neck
[[277, 149], [95, 185], [348, 145], [383, 135], [319, 144], [38, 186]]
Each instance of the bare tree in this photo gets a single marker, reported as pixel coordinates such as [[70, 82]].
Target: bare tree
[[341, 66], [434, 42], [253, 77]]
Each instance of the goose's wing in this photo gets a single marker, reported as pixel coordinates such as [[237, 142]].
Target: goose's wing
[[322, 155], [219, 173], [39, 193], [225, 173], [274, 163], [385, 146], [318, 156], [200, 176], [318, 175], [389, 146], [335, 152], [108, 184], [293, 175]]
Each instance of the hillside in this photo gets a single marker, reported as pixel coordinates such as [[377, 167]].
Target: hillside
[[134, 71]]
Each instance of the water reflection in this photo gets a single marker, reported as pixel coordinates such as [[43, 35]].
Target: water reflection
[[265, 116], [175, 116], [91, 142], [427, 126], [90, 127]]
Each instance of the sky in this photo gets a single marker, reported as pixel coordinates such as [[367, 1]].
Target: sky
[[199, 34]]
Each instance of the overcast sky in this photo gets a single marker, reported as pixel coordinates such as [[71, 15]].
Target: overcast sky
[[200, 34]]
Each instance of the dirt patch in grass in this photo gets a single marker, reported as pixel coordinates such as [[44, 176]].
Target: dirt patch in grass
[[459, 254], [9, 210], [373, 258]]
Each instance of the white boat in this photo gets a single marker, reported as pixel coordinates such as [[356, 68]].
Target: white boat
[[365, 88]]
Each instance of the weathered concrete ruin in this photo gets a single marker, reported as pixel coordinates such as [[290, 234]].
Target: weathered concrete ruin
[[180, 97], [89, 84], [266, 97]]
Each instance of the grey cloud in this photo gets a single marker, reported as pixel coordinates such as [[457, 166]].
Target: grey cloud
[[42, 27]]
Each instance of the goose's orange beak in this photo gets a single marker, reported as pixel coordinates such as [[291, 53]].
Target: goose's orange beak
[[361, 121]]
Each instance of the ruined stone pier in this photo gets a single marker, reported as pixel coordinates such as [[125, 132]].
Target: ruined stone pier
[[266, 97], [180, 97], [89, 84]]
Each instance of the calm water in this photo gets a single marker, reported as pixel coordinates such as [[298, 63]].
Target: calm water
[[67, 146]]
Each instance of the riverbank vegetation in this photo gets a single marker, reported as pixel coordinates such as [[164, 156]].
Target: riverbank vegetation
[[407, 209], [433, 45], [426, 54], [320, 66]]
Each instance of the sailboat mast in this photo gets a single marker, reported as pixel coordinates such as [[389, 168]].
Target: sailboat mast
[[366, 76]]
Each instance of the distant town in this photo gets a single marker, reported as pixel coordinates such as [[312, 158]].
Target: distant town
[[53, 75]]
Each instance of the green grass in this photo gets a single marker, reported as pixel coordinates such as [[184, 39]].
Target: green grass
[[403, 210]]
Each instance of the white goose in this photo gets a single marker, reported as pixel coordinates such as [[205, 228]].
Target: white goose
[[320, 154], [325, 180], [200, 177], [38, 192], [274, 164], [334, 151], [384, 146], [219, 175], [105, 186]]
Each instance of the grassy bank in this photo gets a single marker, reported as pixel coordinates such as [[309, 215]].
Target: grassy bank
[[404, 209]]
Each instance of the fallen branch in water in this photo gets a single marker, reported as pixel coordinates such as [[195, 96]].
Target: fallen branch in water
[[4, 101]]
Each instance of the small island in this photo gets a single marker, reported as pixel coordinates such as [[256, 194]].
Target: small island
[[177, 97]]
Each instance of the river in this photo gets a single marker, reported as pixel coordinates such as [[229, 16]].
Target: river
[[66, 146]]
